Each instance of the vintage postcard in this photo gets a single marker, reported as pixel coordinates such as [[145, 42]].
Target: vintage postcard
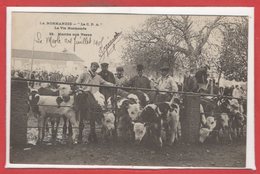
[[134, 88]]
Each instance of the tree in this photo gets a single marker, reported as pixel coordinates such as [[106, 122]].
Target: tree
[[170, 39], [232, 62], [191, 41]]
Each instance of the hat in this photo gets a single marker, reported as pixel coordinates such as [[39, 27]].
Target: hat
[[139, 67], [95, 63], [104, 64], [120, 68], [165, 67]]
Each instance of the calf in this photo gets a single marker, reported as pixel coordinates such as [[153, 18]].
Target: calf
[[125, 127], [141, 97], [139, 131], [206, 130], [158, 116], [47, 106], [172, 123], [108, 125], [238, 122]]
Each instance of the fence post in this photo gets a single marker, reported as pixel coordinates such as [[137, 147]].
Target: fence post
[[19, 108], [191, 119]]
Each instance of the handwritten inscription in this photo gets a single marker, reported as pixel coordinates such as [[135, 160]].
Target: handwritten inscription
[[109, 47], [66, 38], [75, 34]]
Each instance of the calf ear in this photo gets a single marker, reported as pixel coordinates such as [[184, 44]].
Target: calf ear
[[36, 98]]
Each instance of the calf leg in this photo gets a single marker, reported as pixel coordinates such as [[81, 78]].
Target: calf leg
[[52, 129], [92, 135], [70, 128], [57, 127], [41, 128], [81, 127], [64, 130]]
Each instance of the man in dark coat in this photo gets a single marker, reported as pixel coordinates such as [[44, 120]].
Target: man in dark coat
[[190, 82], [202, 76], [139, 81], [109, 77]]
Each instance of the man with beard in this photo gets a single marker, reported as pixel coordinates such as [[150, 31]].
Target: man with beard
[[91, 77]]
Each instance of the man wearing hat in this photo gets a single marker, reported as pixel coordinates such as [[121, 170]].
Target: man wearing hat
[[201, 76], [120, 78], [190, 83], [91, 77], [165, 83], [109, 77], [139, 81]]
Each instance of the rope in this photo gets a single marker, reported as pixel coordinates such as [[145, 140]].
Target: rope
[[127, 88]]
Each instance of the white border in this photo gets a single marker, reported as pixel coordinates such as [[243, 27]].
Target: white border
[[230, 11]]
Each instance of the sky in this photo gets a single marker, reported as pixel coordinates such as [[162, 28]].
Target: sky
[[39, 31], [27, 27]]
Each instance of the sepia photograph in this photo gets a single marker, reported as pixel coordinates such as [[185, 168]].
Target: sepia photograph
[[134, 88]]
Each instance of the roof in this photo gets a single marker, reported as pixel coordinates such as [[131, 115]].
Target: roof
[[45, 55]]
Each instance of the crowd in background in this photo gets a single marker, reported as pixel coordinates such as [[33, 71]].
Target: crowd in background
[[194, 81]]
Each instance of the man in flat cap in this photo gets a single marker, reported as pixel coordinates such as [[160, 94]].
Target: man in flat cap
[[91, 77], [165, 83], [109, 77], [120, 78], [139, 81]]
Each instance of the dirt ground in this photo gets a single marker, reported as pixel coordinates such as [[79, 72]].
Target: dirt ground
[[180, 155]]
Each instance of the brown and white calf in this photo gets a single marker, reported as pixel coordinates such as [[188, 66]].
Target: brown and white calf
[[160, 118], [44, 107]]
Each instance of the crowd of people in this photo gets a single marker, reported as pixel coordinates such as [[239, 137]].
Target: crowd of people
[[194, 81]]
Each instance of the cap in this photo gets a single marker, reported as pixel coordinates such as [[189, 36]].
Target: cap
[[94, 63], [104, 64], [120, 69], [139, 67]]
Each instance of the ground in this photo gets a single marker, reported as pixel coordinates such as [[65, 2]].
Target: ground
[[114, 153], [180, 155]]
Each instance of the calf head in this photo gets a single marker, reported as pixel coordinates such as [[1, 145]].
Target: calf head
[[108, 121], [223, 120], [65, 90], [133, 98], [164, 110], [33, 100], [83, 100], [134, 111], [150, 114], [211, 123], [123, 104], [139, 131]]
